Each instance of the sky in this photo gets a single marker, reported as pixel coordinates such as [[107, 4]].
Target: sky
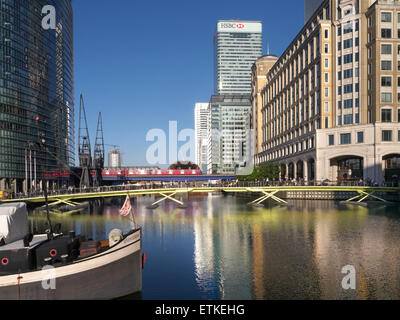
[[143, 64]]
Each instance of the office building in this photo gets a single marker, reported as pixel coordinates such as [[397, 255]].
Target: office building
[[237, 44], [200, 124], [228, 133], [115, 159], [331, 104], [259, 79], [36, 92]]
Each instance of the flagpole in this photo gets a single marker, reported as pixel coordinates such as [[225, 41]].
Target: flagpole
[[130, 211]]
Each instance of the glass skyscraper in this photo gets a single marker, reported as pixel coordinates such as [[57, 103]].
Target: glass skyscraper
[[237, 45], [36, 88]]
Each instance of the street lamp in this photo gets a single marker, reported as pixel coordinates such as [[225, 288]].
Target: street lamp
[[42, 146]]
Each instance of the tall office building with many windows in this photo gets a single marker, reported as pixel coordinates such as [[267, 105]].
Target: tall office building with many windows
[[229, 136], [36, 91], [237, 45], [331, 103], [201, 136]]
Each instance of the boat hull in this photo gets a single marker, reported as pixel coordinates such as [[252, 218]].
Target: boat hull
[[112, 274]]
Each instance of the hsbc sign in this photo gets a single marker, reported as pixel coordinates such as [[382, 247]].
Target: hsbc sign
[[239, 27], [232, 25]]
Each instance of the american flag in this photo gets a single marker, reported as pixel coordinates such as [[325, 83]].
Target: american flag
[[126, 208]]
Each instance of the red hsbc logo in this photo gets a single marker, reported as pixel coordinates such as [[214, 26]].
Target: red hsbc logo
[[240, 26]]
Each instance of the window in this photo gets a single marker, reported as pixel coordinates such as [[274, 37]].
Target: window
[[348, 119], [386, 49], [326, 34], [339, 120], [326, 92], [357, 87], [386, 65], [331, 140], [357, 56], [386, 135], [386, 17], [348, 88], [398, 115], [326, 63], [326, 122], [340, 104], [360, 137], [339, 31], [386, 33], [326, 106], [348, 58], [339, 90], [339, 60], [386, 115], [326, 77], [386, 97], [345, 138], [340, 75], [347, 28], [347, 73], [347, 43], [357, 120], [326, 48], [386, 81]]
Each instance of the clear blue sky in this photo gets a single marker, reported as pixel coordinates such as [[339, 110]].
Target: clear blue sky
[[145, 63]]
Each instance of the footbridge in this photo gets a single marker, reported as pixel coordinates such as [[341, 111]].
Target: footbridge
[[361, 194]]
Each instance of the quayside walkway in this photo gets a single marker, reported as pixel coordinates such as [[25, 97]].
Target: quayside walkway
[[359, 193]]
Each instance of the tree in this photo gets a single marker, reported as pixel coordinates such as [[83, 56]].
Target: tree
[[267, 170]]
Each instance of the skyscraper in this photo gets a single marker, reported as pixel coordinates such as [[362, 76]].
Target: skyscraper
[[36, 90], [200, 124], [228, 133], [237, 45]]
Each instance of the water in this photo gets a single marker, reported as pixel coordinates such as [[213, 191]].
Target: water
[[220, 248]]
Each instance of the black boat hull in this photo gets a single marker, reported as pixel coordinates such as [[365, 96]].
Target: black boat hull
[[114, 273]]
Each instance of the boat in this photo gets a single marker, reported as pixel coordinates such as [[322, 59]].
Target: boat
[[57, 266]]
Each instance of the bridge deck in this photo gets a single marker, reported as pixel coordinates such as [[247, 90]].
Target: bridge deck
[[268, 192]]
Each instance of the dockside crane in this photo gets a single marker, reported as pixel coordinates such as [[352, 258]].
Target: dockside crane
[[85, 154], [98, 161]]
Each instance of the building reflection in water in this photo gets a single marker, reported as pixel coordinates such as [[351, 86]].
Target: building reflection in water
[[220, 248]]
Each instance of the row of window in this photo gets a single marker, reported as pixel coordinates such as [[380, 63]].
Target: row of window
[[345, 138]]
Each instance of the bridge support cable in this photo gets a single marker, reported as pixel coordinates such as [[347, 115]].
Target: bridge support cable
[[266, 196], [166, 196], [365, 195]]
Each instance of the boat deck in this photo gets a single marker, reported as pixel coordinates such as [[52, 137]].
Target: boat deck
[[37, 239]]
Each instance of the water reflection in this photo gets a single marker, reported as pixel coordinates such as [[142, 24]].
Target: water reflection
[[220, 248]]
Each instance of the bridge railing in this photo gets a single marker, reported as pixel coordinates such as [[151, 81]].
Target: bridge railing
[[221, 184]]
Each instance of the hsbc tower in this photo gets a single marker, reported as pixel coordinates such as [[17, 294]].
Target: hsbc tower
[[237, 45]]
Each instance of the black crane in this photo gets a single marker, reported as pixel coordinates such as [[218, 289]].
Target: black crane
[[85, 154], [98, 161]]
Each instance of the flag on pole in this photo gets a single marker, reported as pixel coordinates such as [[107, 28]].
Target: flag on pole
[[126, 208]]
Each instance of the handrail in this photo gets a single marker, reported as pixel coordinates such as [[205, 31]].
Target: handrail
[[222, 184]]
